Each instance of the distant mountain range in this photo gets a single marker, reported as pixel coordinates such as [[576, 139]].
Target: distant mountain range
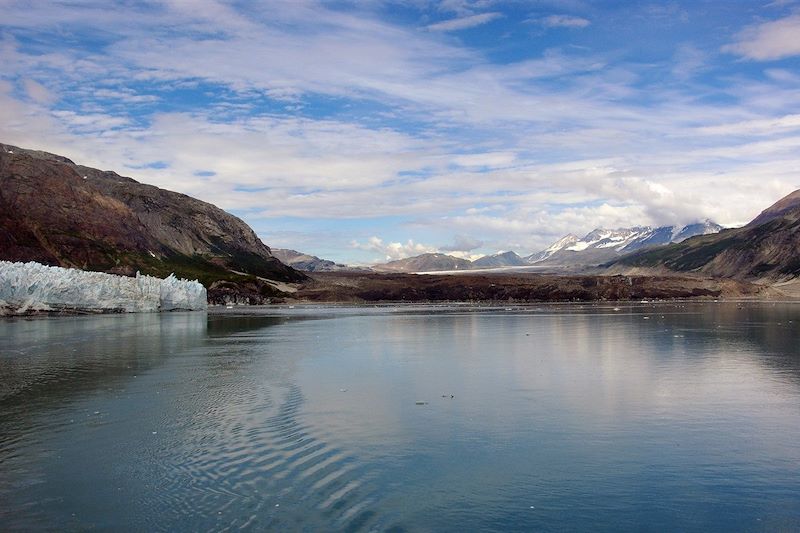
[[597, 247], [603, 245], [768, 248]]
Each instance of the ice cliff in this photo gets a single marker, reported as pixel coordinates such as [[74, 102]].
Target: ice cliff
[[35, 287]]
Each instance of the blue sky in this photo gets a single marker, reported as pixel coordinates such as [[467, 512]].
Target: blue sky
[[365, 130]]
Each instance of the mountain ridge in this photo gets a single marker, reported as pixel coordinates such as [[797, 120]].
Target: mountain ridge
[[598, 246], [500, 259], [429, 262], [601, 245], [306, 262], [765, 249]]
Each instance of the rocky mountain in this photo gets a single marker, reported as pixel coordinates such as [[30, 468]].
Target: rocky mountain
[[503, 259], [786, 206], [56, 212], [425, 263], [602, 245], [306, 262], [766, 249], [705, 227], [597, 247], [561, 244]]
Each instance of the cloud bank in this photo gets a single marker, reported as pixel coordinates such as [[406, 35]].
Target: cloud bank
[[331, 124]]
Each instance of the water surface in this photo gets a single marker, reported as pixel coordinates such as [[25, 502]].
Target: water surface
[[647, 417]]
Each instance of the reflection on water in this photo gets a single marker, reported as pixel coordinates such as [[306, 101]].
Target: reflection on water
[[72, 353], [660, 417]]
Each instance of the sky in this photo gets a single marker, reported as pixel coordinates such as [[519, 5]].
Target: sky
[[361, 131]]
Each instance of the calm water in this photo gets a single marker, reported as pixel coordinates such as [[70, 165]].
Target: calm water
[[666, 417]]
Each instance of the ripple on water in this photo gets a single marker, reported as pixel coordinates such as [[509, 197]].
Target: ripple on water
[[263, 458]]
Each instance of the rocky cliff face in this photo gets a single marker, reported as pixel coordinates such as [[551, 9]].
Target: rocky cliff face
[[768, 248], [59, 213]]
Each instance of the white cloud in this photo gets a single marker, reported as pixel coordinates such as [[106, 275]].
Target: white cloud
[[463, 23], [564, 21], [462, 243], [490, 159], [393, 250], [768, 126], [689, 61], [126, 96], [769, 40], [38, 92], [416, 125]]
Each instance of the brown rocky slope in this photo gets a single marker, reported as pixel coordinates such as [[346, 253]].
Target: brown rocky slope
[[58, 213]]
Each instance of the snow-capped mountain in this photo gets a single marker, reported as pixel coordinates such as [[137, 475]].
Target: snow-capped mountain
[[598, 246], [705, 227], [765, 249], [617, 239], [564, 242], [604, 244]]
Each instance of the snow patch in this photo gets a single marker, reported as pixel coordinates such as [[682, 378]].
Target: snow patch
[[578, 246], [36, 287]]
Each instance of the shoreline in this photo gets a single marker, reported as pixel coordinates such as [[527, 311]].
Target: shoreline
[[516, 289], [500, 290], [220, 309]]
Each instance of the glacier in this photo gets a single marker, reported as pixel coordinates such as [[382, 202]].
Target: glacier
[[30, 287]]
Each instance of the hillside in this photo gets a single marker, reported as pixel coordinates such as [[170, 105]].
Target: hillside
[[425, 263], [503, 259], [768, 248], [56, 212], [305, 262]]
